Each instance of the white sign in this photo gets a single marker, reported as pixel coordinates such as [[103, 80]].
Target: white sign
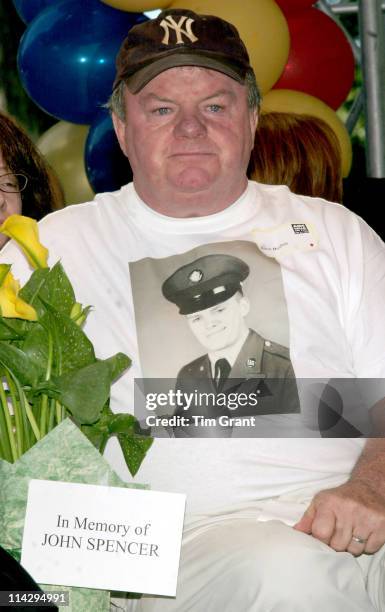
[[103, 537]]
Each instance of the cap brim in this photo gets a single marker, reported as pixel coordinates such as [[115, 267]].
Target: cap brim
[[139, 79], [207, 299]]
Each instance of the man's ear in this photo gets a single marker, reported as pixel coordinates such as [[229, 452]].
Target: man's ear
[[245, 305], [120, 127], [253, 121]]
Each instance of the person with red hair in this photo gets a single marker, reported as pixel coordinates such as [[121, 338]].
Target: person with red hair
[[299, 151]]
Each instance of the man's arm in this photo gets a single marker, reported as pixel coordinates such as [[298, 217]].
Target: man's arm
[[356, 508]]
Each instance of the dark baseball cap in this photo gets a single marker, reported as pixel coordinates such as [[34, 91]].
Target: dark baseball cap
[[205, 282], [179, 37]]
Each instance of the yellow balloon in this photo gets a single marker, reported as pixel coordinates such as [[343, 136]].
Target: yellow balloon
[[262, 27], [138, 6], [290, 101], [63, 148]]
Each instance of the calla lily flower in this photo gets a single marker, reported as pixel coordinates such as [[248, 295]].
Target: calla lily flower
[[78, 314], [25, 232], [11, 306]]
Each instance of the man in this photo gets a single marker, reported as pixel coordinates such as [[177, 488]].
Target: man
[[185, 109], [208, 292]]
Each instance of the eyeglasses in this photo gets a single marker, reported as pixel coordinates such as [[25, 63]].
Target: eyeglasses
[[13, 183]]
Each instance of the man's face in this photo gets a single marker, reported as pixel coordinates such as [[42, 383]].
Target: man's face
[[220, 326], [188, 135]]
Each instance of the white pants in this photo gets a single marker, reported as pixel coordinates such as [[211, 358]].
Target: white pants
[[266, 566]]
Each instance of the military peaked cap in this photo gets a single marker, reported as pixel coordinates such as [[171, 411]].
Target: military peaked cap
[[205, 282]]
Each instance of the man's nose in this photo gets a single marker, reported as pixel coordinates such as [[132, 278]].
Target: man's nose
[[209, 322], [190, 125]]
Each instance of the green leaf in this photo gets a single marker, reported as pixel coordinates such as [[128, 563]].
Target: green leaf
[[57, 290], [117, 364], [4, 269], [35, 346], [134, 450], [85, 391], [96, 436], [46, 387], [122, 423], [29, 293], [98, 432], [25, 369], [14, 329], [51, 286], [72, 348], [127, 429]]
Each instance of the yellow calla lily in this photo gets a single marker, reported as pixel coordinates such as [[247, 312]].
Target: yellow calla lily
[[11, 306], [25, 232]]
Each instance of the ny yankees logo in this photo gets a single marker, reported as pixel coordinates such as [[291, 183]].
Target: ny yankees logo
[[170, 24]]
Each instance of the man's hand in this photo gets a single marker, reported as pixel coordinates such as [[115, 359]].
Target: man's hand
[[354, 509]]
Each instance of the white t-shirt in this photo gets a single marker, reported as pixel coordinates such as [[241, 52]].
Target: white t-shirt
[[326, 301]]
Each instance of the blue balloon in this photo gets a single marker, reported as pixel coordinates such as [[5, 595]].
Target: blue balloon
[[106, 166], [67, 57], [28, 9]]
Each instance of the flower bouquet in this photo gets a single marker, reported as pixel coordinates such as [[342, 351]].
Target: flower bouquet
[[50, 376]]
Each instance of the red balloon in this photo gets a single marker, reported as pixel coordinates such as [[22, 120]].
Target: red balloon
[[290, 6], [321, 61]]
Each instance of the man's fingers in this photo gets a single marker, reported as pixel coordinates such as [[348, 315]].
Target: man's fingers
[[373, 544], [318, 521], [305, 523], [343, 516], [324, 524], [357, 548], [342, 535]]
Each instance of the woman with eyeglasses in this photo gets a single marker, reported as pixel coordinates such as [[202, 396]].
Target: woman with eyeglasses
[[27, 186]]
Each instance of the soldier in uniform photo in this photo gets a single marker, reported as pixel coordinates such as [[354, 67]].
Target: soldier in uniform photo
[[209, 293]]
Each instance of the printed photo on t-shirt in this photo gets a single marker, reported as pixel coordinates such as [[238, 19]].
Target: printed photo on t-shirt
[[161, 327], [212, 323]]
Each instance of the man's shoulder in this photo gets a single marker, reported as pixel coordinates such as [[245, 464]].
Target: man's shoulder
[[197, 366], [281, 197], [264, 351], [276, 360], [334, 226], [277, 350], [271, 348]]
